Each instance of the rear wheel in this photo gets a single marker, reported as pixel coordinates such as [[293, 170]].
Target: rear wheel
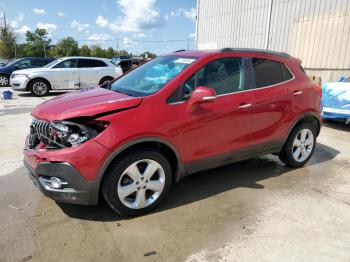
[[137, 183], [4, 80], [105, 80], [300, 145], [39, 87]]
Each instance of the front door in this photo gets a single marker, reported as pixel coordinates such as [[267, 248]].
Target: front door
[[65, 75], [218, 128]]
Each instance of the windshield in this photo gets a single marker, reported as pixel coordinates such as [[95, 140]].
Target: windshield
[[13, 62], [54, 62], [152, 76]]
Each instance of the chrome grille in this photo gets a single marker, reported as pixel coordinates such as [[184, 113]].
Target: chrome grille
[[39, 132]]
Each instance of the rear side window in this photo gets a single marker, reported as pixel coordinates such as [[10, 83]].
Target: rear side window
[[91, 63], [39, 62], [268, 72]]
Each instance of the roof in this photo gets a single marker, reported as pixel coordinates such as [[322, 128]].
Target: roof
[[87, 57], [200, 53]]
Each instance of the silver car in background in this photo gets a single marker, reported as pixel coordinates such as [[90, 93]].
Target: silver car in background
[[67, 73]]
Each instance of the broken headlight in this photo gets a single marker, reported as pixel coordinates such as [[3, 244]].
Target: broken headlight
[[69, 133]]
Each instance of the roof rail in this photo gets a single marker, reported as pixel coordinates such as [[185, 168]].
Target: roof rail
[[253, 50], [181, 50]]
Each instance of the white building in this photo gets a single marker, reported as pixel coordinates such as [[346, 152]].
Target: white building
[[316, 31]]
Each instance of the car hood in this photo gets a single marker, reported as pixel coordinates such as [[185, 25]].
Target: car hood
[[84, 102], [31, 70]]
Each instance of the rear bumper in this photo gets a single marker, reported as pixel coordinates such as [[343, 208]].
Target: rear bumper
[[77, 191]]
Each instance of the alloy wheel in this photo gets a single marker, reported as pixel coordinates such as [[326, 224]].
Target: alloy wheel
[[39, 88], [141, 184], [303, 145], [4, 81]]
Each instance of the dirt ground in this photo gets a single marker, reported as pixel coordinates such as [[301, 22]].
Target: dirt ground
[[256, 210]]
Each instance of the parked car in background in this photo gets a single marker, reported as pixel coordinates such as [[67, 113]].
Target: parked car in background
[[127, 64], [173, 116], [22, 63], [66, 73], [336, 100]]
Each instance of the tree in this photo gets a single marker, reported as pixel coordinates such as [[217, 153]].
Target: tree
[[122, 53], [110, 52], [67, 47], [7, 42], [148, 55], [38, 42], [97, 51], [84, 50]]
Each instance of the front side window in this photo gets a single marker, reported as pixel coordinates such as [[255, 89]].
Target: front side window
[[24, 63], [268, 72], [69, 63], [225, 76], [150, 77]]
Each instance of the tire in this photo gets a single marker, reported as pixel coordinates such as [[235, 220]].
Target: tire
[[123, 186], [105, 80], [4, 80], [299, 146], [39, 87]]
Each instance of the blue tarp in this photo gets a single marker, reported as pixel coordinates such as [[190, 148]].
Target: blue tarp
[[336, 100]]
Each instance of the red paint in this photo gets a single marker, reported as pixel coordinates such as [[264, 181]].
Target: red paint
[[211, 129]]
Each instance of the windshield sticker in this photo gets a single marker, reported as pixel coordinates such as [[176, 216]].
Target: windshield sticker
[[184, 60]]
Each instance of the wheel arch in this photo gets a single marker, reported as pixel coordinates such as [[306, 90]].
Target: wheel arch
[[6, 74], [159, 144], [107, 76], [309, 117], [36, 78]]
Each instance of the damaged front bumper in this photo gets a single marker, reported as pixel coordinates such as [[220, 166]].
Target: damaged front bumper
[[76, 189]]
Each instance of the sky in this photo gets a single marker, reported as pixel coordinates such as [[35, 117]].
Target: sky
[[136, 23]]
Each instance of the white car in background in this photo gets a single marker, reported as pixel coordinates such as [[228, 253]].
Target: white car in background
[[67, 73]]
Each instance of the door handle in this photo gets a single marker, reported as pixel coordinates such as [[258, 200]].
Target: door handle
[[244, 105], [297, 93]]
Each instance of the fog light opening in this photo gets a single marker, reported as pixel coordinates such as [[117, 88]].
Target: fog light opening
[[56, 182]]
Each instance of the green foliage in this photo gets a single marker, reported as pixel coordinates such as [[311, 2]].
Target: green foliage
[[84, 50], [110, 52], [67, 47], [38, 43], [7, 43], [97, 51], [148, 55]]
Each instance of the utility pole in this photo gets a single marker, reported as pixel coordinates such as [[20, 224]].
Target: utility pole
[[118, 45], [267, 39], [44, 47]]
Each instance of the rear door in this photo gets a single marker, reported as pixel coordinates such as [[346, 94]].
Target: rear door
[[65, 75], [91, 71], [272, 102]]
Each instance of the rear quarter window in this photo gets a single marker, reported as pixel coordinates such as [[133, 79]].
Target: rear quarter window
[[269, 72]]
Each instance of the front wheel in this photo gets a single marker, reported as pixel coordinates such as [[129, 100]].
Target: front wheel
[[39, 87], [4, 80], [137, 183], [300, 145]]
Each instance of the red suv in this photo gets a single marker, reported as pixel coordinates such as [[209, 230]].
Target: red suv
[[178, 114]]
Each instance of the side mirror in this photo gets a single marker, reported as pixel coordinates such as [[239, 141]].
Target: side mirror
[[201, 94], [16, 67]]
